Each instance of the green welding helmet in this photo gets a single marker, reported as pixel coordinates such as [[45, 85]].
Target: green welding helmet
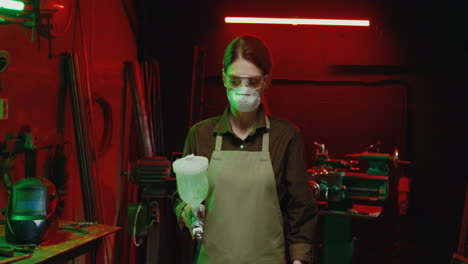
[[31, 211]]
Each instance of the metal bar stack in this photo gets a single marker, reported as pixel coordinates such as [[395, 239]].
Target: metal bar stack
[[83, 147]]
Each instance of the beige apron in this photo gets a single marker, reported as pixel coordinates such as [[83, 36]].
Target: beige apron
[[243, 221]]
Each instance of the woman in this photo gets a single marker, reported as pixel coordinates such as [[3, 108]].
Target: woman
[[259, 208]]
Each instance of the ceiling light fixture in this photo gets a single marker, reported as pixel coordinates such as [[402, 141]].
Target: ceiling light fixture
[[11, 5], [298, 21]]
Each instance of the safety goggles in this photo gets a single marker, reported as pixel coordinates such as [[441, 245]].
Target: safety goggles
[[253, 82]]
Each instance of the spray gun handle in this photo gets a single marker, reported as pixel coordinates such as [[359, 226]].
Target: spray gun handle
[[197, 224]]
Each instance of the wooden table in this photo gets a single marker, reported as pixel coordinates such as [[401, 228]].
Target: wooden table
[[65, 245]]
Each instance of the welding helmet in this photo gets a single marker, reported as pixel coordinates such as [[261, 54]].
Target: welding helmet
[[31, 215]]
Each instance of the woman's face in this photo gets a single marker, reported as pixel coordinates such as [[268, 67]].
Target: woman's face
[[243, 72]]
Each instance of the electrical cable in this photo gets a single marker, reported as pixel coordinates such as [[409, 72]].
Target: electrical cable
[[134, 225]]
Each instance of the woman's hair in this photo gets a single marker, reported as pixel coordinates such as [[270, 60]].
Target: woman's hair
[[250, 48]]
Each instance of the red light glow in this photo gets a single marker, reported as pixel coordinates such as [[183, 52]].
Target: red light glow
[[298, 21]]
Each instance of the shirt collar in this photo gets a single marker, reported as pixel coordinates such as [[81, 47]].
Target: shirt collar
[[224, 125]]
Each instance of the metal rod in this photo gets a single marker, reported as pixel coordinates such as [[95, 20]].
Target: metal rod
[[140, 109], [82, 149]]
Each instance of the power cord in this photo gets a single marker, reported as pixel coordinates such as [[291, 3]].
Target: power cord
[[137, 244]]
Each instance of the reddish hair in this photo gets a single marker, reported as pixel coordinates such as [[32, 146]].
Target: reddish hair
[[252, 49]]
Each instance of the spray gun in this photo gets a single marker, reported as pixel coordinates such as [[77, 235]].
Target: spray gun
[[197, 226], [192, 185]]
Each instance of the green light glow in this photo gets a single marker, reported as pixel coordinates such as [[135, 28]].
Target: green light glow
[[12, 5]]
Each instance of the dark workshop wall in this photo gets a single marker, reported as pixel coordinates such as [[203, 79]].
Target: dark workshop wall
[[438, 130], [419, 43]]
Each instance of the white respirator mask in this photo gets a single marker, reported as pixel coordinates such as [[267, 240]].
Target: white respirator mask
[[244, 99]]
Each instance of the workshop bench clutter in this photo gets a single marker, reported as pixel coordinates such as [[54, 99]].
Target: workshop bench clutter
[[72, 239]]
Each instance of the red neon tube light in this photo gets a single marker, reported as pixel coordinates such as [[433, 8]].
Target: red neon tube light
[[298, 21]]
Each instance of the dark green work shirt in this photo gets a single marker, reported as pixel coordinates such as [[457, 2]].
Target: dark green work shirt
[[297, 203]]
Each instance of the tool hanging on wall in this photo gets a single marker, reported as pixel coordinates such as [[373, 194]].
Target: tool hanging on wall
[[46, 18]]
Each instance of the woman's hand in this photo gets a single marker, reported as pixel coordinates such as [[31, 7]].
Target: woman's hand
[[187, 215]]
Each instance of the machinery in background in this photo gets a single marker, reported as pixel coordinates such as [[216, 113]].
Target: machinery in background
[[153, 176], [340, 187], [142, 161], [345, 190]]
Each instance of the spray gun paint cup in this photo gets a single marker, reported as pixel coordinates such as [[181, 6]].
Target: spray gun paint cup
[[192, 185]]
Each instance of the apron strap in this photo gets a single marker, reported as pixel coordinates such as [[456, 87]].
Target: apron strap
[[266, 136], [219, 140]]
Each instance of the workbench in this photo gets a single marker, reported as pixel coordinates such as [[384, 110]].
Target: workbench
[[65, 245]]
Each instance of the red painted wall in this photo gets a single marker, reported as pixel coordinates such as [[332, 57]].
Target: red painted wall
[[306, 52], [347, 117], [31, 83]]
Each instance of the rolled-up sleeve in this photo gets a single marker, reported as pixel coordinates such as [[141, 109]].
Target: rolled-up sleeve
[[302, 210]]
